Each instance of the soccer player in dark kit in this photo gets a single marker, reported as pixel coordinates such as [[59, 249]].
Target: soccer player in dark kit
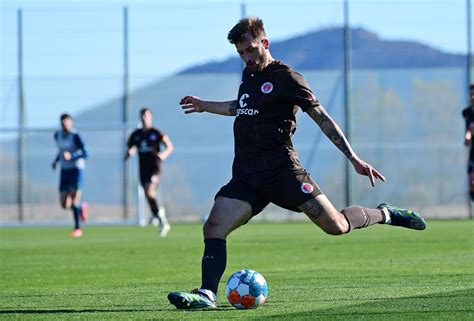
[[266, 167], [468, 114], [148, 140], [72, 154]]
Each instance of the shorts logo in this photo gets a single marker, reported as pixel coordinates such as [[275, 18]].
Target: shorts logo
[[307, 188], [267, 87]]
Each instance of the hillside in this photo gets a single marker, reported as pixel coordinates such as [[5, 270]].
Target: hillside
[[323, 49]]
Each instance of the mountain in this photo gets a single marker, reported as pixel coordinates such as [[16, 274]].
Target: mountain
[[323, 49]]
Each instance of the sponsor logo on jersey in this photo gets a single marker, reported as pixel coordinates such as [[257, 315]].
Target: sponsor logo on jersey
[[241, 100], [245, 111], [267, 87], [307, 188]]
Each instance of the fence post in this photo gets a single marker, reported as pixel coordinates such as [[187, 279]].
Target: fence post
[[347, 96], [126, 110], [21, 121]]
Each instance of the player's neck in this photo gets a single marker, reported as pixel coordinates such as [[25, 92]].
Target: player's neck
[[268, 61]]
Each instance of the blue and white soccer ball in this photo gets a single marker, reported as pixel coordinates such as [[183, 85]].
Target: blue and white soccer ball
[[246, 289]]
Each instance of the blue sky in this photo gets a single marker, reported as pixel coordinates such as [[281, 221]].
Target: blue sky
[[81, 41]]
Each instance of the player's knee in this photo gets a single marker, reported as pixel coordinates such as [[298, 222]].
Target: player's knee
[[213, 229], [210, 226]]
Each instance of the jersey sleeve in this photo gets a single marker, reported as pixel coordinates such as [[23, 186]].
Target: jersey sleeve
[[58, 155], [131, 140], [81, 148], [467, 114], [160, 135], [298, 92]]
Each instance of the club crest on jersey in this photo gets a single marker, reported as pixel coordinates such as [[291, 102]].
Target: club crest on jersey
[[153, 137], [307, 188], [267, 87]]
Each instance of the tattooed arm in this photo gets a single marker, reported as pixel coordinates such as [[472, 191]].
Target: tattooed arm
[[335, 134], [193, 104], [331, 130]]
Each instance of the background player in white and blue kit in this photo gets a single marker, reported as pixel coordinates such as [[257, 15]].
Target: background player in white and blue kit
[[72, 154]]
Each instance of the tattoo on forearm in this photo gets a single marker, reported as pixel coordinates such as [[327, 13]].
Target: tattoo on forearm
[[233, 108], [330, 129]]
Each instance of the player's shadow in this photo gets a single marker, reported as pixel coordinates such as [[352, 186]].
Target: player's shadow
[[65, 311], [405, 308]]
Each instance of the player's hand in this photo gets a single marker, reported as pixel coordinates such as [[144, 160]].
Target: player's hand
[[366, 169], [191, 104], [53, 166], [468, 137], [67, 155]]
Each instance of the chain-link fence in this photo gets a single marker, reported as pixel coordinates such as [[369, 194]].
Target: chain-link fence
[[405, 115]]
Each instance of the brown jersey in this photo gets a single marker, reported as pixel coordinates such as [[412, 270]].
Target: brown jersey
[[147, 142], [265, 121]]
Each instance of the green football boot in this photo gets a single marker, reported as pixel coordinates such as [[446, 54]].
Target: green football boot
[[191, 300], [401, 217]]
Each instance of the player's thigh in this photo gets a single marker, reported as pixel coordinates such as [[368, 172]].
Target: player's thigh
[[76, 196], [227, 214], [471, 180], [150, 189], [322, 212], [65, 199]]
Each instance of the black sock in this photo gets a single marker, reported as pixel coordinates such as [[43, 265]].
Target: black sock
[[76, 212], [213, 263]]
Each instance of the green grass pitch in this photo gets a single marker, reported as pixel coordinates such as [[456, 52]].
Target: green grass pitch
[[126, 272]]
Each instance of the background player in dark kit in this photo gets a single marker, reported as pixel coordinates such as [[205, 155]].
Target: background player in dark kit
[[468, 114], [72, 154], [148, 141], [266, 167]]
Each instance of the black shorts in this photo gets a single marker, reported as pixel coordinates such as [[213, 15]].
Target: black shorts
[[70, 179], [288, 189], [150, 174]]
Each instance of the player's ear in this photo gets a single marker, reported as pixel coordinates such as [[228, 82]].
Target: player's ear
[[266, 43]]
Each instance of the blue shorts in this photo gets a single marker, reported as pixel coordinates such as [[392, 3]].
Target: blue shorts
[[70, 180]]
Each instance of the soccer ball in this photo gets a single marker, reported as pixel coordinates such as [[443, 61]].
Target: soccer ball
[[246, 289]]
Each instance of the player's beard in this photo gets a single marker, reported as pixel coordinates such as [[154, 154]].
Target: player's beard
[[255, 66]]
